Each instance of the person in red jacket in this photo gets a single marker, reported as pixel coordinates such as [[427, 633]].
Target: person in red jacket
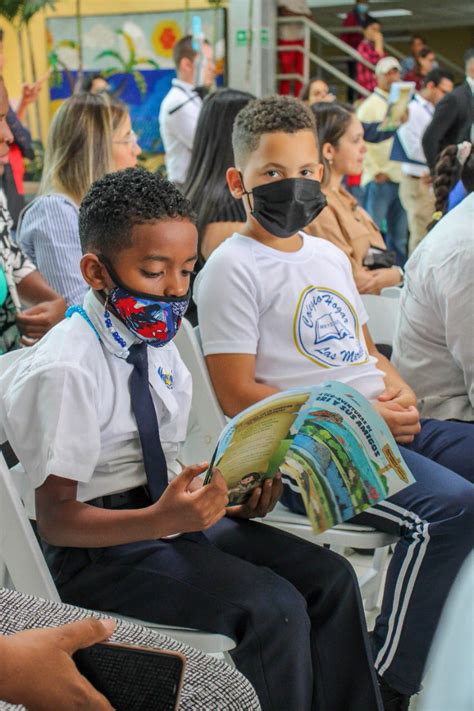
[[371, 48]]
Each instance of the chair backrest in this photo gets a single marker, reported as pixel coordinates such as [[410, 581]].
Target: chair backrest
[[391, 292], [383, 315], [19, 547], [206, 420]]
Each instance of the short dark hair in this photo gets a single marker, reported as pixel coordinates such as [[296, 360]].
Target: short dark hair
[[415, 37], [436, 76], [370, 20], [424, 52], [269, 115], [468, 55], [183, 49], [119, 201]]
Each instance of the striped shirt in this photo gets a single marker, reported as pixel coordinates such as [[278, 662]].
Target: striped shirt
[[48, 232]]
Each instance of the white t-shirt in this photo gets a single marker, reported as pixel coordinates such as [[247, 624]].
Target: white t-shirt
[[65, 405], [298, 312], [179, 113]]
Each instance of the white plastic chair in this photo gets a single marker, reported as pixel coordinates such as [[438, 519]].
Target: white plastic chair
[[28, 572], [391, 292], [206, 423], [383, 316]]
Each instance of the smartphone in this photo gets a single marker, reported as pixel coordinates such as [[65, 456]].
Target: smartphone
[[133, 678]]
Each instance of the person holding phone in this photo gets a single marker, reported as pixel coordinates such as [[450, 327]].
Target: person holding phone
[[56, 657], [30, 660]]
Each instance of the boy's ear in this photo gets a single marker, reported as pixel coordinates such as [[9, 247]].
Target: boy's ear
[[234, 181], [94, 272]]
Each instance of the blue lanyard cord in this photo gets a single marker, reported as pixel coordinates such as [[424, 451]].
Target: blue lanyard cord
[[79, 310]]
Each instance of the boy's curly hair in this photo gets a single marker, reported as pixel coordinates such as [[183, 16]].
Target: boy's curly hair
[[268, 115], [118, 201]]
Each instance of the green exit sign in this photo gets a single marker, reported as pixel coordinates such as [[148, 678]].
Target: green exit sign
[[241, 38]]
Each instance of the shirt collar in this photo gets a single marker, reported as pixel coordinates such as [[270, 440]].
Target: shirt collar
[[95, 309], [470, 81], [424, 102], [183, 84]]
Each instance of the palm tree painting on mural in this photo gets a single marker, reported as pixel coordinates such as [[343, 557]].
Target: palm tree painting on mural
[[58, 65], [129, 65]]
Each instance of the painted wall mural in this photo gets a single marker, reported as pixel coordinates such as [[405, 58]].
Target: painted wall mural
[[135, 52]]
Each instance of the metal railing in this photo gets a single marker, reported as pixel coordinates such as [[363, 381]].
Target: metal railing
[[310, 29], [443, 60]]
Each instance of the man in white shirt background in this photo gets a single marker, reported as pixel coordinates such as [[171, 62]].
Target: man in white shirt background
[[181, 106], [416, 194]]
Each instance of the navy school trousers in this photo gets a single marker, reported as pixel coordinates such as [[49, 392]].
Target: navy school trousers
[[293, 608], [434, 519]]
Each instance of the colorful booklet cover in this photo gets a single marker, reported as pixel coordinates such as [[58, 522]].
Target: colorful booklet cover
[[328, 443], [401, 93]]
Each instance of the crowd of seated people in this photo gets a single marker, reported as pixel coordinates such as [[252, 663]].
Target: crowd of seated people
[[259, 199]]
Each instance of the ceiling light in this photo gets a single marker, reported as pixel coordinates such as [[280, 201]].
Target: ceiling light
[[396, 12]]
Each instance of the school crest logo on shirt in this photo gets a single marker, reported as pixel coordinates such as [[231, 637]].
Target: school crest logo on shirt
[[326, 329], [166, 376]]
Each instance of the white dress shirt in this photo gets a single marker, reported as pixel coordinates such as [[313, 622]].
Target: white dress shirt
[[179, 113], [420, 114], [434, 341], [65, 405]]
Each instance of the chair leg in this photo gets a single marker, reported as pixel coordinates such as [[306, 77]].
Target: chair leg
[[378, 564]]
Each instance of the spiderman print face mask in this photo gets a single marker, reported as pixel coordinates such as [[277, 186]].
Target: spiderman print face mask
[[154, 320]]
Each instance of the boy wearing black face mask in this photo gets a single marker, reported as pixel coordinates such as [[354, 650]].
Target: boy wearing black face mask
[[279, 309], [96, 412]]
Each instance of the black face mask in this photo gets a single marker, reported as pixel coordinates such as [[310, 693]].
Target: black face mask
[[287, 206]]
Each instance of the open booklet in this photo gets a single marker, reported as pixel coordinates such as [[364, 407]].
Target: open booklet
[[401, 93], [328, 443]]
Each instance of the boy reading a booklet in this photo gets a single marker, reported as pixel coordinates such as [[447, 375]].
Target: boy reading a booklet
[[96, 411], [279, 309]]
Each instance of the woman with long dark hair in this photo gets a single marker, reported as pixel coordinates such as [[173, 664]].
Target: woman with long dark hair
[[219, 215]]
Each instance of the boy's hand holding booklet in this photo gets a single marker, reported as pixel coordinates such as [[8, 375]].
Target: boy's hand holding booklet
[[327, 442]]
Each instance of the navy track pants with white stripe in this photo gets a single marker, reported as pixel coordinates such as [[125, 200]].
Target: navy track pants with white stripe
[[434, 519]]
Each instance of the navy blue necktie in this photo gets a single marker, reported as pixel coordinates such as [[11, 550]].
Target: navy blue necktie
[[147, 421]]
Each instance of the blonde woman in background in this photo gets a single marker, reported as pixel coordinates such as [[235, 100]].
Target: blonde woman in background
[[90, 135]]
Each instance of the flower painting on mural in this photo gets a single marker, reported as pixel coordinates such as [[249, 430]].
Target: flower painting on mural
[[133, 52]]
